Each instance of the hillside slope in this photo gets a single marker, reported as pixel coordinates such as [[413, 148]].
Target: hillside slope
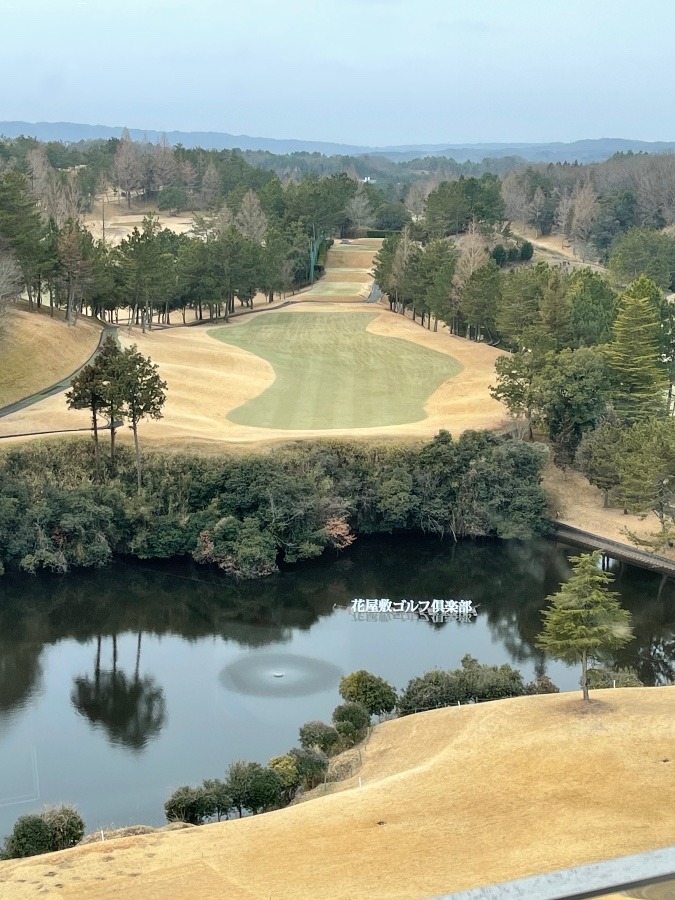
[[448, 799], [36, 351]]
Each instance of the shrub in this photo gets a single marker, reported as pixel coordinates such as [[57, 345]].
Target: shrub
[[287, 768], [189, 804], [30, 836], [312, 766], [66, 824], [473, 681], [491, 682], [319, 735], [499, 255], [354, 713], [436, 688], [376, 694], [526, 251], [542, 684], [607, 678], [513, 254], [221, 802], [254, 787]]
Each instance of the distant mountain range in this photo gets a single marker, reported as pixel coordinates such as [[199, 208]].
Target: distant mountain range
[[584, 151]]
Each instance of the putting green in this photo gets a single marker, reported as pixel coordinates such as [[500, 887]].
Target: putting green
[[331, 373]]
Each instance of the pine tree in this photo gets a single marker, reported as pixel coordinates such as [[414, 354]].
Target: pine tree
[[646, 468], [584, 617], [556, 310], [597, 457], [641, 383], [143, 393]]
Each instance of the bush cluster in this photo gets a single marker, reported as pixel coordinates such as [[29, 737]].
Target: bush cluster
[[57, 828], [60, 509], [472, 682]]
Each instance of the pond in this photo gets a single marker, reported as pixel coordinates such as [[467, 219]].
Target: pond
[[117, 686]]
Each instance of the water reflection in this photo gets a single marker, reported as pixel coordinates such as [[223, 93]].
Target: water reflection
[[130, 710], [20, 676], [105, 677]]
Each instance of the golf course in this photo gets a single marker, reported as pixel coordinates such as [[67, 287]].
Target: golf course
[[328, 362], [332, 373]]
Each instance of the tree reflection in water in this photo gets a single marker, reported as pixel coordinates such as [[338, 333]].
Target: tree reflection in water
[[131, 710]]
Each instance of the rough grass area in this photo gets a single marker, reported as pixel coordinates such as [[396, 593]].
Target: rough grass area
[[36, 351], [445, 800], [331, 373]]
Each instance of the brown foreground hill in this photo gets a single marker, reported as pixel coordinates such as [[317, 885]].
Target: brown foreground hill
[[444, 800]]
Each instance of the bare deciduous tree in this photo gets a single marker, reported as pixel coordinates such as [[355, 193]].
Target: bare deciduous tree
[[536, 208], [127, 168], [416, 198], [401, 256], [585, 211], [56, 191], [514, 194], [210, 185], [188, 175], [473, 255], [251, 221], [224, 219], [359, 212], [564, 215], [10, 279]]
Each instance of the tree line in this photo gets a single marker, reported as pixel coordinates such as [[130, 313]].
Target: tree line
[[60, 507]]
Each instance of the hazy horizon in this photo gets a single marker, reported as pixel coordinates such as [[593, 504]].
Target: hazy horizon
[[361, 72]]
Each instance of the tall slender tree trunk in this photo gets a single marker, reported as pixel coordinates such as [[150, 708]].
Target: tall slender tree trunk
[[138, 655], [113, 429], [94, 419], [584, 675], [97, 667], [139, 480]]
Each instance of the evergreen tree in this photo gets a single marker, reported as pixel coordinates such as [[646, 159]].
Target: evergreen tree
[[570, 395], [143, 394], [597, 457], [86, 392], [480, 300], [555, 310], [646, 469], [592, 308], [584, 618], [640, 380]]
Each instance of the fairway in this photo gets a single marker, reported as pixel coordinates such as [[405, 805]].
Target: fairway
[[332, 374]]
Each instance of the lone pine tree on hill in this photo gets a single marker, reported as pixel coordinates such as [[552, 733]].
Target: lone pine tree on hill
[[584, 618]]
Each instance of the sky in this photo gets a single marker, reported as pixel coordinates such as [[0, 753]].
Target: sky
[[367, 72]]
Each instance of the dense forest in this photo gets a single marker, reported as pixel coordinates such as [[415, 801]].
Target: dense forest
[[60, 508], [592, 349]]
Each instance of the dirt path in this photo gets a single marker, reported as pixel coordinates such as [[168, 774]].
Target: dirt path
[[551, 248]]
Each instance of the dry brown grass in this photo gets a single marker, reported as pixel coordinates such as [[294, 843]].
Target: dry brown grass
[[449, 799], [580, 504], [207, 379], [36, 351]]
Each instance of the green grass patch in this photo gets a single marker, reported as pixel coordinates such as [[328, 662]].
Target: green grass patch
[[331, 373]]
